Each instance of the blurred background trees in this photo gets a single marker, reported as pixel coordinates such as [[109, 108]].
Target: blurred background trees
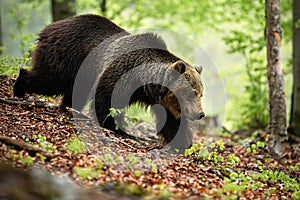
[[294, 126], [62, 9]]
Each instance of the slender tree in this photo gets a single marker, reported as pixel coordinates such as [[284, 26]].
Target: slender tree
[[62, 9], [277, 104], [103, 7], [294, 126]]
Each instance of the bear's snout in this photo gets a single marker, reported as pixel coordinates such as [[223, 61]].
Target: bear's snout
[[201, 115]]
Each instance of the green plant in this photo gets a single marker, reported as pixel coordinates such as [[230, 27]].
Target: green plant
[[152, 165], [207, 151], [137, 173], [10, 64], [110, 159], [42, 141], [38, 155], [75, 145], [164, 192], [253, 147], [130, 189], [246, 42], [21, 20], [25, 160], [119, 116], [270, 191], [133, 160], [87, 172], [296, 195], [232, 159]]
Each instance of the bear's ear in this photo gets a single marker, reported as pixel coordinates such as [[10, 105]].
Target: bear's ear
[[179, 66], [199, 69]]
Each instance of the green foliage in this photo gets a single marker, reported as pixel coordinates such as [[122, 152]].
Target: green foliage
[[129, 116], [232, 159], [18, 13], [152, 165], [87, 172], [10, 64], [140, 114], [296, 195], [131, 162], [254, 146], [250, 104], [295, 168], [239, 182], [161, 191], [42, 142], [297, 24], [25, 160], [249, 42], [76, 146], [42, 157], [207, 151]]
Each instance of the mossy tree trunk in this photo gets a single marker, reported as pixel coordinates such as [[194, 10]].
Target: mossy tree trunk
[[62, 9], [277, 102], [294, 126]]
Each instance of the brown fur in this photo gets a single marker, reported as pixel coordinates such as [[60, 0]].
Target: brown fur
[[63, 46]]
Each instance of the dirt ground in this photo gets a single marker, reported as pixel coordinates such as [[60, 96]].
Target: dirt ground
[[36, 138]]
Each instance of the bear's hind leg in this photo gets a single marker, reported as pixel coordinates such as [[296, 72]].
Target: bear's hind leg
[[67, 101]]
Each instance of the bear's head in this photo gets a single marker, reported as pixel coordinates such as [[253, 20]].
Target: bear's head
[[19, 87], [184, 97]]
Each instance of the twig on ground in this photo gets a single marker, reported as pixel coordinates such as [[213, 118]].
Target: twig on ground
[[25, 146], [11, 102]]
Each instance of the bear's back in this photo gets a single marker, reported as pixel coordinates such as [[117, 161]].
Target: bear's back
[[63, 45], [89, 29]]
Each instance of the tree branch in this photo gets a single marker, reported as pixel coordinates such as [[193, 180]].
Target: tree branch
[[25, 146]]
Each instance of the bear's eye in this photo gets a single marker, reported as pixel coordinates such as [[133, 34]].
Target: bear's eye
[[187, 75]]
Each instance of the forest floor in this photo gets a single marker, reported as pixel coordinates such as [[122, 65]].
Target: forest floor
[[44, 154]]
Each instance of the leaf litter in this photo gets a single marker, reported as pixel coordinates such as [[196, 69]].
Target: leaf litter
[[100, 165]]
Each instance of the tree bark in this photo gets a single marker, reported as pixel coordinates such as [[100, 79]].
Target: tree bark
[[277, 103], [103, 7], [294, 126], [62, 9]]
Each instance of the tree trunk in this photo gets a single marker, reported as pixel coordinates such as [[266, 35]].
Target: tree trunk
[[294, 126], [62, 9], [103, 7], [277, 104]]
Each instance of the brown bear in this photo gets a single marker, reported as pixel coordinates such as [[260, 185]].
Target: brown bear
[[134, 69]]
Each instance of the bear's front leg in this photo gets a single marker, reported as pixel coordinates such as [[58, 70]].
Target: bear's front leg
[[176, 132]]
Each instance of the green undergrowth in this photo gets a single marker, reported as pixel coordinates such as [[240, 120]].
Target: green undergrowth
[[10, 65], [237, 181], [131, 115], [75, 145], [131, 163], [40, 142]]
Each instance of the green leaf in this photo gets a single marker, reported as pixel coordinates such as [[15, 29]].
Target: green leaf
[[297, 23]]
